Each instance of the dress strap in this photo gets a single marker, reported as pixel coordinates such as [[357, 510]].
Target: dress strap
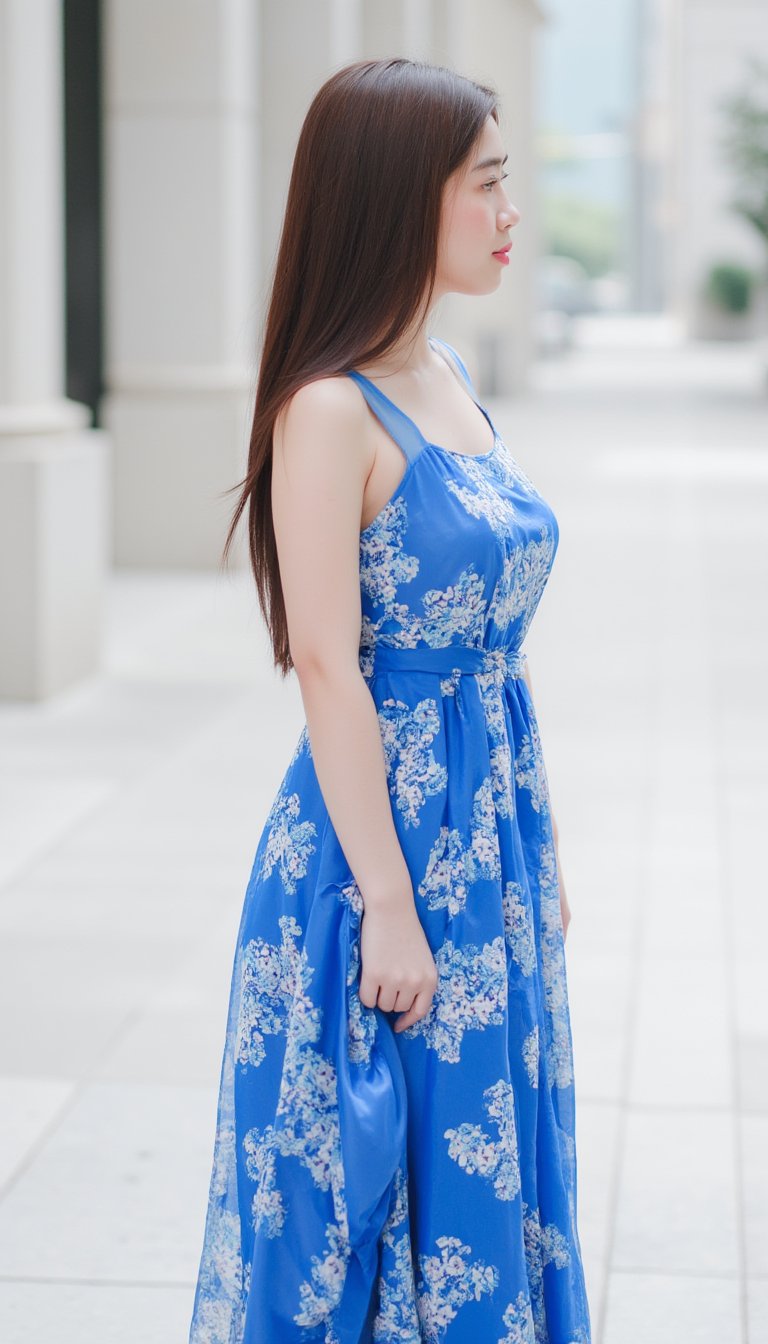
[[398, 425], [457, 360]]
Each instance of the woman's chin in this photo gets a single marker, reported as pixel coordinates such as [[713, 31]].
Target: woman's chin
[[477, 285]]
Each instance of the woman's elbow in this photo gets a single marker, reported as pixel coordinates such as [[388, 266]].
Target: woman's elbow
[[324, 663]]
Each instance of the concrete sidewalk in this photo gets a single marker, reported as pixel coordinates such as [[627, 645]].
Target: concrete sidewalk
[[131, 808]]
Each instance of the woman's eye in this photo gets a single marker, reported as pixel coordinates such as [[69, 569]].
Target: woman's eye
[[494, 180]]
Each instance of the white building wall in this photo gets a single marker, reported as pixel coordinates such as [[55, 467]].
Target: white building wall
[[301, 42], [710, 43]]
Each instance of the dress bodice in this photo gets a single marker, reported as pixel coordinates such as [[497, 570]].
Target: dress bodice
[[462, 550]]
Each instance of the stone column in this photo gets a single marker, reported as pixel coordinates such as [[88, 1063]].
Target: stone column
[[53, 478], [181, 108]]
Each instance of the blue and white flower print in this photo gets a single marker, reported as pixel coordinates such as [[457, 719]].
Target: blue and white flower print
[[507, 472], [531, 1056], [321, 1294], [455, 862], [397, 1317], [450, 1277], [522, 582], [482, 500], [289, 841], [529, 769], [384, 563], [471, 995], [361, 1020], [518, 1322], [373, 1186], [456, 614], [545, 1244], [476, 1152], [501, 780], [273, 986], [407, 735], [559, 1046], [518, 928]]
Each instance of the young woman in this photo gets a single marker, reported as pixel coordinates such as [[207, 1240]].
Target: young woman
[[395, 1149]]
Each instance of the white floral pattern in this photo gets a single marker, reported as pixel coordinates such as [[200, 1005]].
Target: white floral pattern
[[482, 499], [518, 928], [454, 864], [558, 1044], [288, 841], [397, 1317], [518, 1322], [384, 564], [307, 1128], [529, 769], [509, 473], [407, 736], [448, 1280], [531, 1056], [361, 1020], [501, 780], [341, 1144], [497, 1161], [471, 995], [274, 982], [321, 1295], [521, 583], [456, 614], [544, 1245]]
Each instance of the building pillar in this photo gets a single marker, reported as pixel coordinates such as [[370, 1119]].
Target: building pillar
[[182, 173], [53, 466], [303, 43]]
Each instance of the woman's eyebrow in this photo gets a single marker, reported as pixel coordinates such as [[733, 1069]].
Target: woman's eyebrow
[[490, 163]]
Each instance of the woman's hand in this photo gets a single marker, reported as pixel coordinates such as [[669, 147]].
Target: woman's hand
[[398, 970]]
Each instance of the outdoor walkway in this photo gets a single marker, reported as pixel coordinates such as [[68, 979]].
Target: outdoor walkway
[[130, 809]]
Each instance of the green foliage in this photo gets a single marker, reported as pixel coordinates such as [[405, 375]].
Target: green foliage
[[574, 227], [729, 286], [745, 145]]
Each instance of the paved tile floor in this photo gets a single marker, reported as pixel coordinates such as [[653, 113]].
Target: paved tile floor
[[132, 804]]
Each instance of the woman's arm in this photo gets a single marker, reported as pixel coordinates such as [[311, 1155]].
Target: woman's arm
[[319, 470], [320, 465]]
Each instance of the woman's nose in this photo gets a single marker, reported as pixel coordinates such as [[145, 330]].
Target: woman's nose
[[511, 213]]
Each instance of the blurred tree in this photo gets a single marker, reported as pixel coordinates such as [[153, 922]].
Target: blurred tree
[[729, 286], [745, 145]]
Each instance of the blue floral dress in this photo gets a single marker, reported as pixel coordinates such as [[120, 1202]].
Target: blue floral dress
[[371, 1186]]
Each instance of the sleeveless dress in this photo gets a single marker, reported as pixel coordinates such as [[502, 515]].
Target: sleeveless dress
[[370, 1186]]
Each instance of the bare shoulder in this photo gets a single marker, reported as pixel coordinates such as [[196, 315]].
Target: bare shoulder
[[329, 410]]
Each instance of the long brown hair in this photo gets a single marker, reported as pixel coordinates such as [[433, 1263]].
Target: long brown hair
[[357, 258]]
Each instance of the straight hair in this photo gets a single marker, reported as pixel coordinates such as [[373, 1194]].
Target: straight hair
[[357, 257]]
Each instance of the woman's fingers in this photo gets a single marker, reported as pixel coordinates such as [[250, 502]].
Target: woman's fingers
[[418, 1009]]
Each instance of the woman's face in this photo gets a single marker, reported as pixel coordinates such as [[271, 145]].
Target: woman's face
[[476, 220]]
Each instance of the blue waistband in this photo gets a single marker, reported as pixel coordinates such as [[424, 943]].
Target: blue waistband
[[463, 658]]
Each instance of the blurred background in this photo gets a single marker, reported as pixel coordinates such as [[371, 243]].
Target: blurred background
[[145, 150]]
